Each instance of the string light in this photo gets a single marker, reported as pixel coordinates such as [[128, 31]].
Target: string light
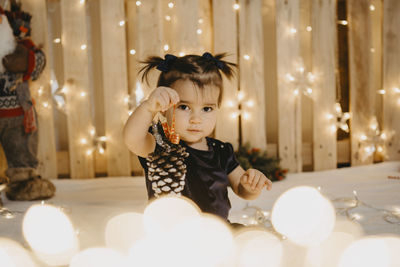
[[236, 6], [170, 5], [57, 40], [82, 2], [168, 18], [341, 118], [246, 57], [372, 7], [201, 21], [372, 50], [46, 104], [122, 23], [83, 47], [82, 94], [83, 141], [138, 3], [181, 54], [309, 28], [132, 51], [293, 30], [343, 22], [199, 31], [396, 90], [166, 47], [40, 90], [381, 91]]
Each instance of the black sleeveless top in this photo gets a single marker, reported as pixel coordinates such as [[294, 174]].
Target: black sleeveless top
[[207, 176]]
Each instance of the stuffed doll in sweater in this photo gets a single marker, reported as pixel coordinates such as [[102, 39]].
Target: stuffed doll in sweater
[[21, 61]]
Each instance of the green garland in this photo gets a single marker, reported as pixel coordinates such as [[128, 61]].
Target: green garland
[[257, 159]]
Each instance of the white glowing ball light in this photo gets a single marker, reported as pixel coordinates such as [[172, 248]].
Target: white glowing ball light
[[303, 215], [372, 252], [257, 248], [122, 231], [99, 257], [50, 234], [162, 214], [13, 254]]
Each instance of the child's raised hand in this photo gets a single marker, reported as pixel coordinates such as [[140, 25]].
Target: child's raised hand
[[161, 99], [253, 181]]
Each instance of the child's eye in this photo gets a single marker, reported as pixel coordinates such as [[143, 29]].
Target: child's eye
[[208, 109], [183, 107]]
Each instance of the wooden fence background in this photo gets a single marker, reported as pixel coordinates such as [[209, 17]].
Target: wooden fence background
[[90, 83]]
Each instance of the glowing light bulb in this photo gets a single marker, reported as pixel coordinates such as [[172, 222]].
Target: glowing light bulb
[[81, 2], [290, 77], [246, 115], [236, 6], [122, 23], [45, 104], [380, 149], [83, 47], [132, 51], [240, 95], [170, 5], [57, 40], [92, 131], [168, 18], [166, 47], [396, 90], [372, 50], [101, 150], [230, 103], [138, 3], [343, 22], [82, 94], [199, 31], [126, 99], [372, 7], [293, 30], [333, 128], [89, 152], [309, 91], [346, 116], [329, 116], [309, 28], [296, 92], [363, 137], [83, 141], [201, 21], [181, 54], [338, 108], [246, 57], [40, 91], [250, 103], [383, 136], [382, 91], [103, 138]]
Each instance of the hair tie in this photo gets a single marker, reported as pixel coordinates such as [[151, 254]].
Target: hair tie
[[165, 65], [219, 63]]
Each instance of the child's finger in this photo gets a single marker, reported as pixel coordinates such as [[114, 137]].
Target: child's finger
[[255, 181], [260, 184], [164, 100], [250, 174], [268, 183], [173, 96], [244, 179]]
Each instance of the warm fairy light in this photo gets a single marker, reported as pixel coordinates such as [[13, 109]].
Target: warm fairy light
[[230, 103], [89, 152], [333, 128], [338, 108], [45, 104], [247, 57], [293, 30], [92, 131], [132, 51], [181, 54], [343, 22], [57, 40], [369, 149], [396, 90], [201, 21], [372, 50], [139, 93], [372, 7], [382, 91], [101, 150], [168, 18], [309, 91], [199, 31], [81, 2], [83, 141], [83, 94], [50, 234], [83, 47], [122, 23], [379, 149], [234, 115], [240, 95], [40, 90], [102, 138], [363, 137], [166, 47], [250, 103], [236, 6], [313, 213], [246, 115], [383, 136], [290, 77], [309, 28], [170, 5], [329, 116], [296, 92], [127, 99], [301, 69], [138, 3]]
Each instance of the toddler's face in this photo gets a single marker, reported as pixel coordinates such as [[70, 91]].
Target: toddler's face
[[196, 112]]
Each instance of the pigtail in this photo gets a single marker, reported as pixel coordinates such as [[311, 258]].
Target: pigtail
[[228, 68], [150, 63]]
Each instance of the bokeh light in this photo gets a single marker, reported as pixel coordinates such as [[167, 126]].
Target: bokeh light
[[123, 230], [13, 254], [162, 214], [50, 234], [98, 257], [257, 248], [303, 215]]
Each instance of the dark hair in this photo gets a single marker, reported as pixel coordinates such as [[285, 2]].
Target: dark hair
[[201, 70]]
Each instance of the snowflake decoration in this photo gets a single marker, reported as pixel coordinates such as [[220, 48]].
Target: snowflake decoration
[[301, 81], [341, 118]]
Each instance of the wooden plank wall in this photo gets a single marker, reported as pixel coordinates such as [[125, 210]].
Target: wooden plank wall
[[391, 78], [76, 74], [362, 96], [289, 105], [324, 93], [225, 41], [113, 43], [251, 65]]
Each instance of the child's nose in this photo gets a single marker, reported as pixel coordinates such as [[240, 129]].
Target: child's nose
[[195, 118]]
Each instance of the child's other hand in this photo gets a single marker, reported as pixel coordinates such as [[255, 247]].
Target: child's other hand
[[254, 181], [161, 99]]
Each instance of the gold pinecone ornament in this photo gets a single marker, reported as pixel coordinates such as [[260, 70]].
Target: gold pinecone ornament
[[166, 165]]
